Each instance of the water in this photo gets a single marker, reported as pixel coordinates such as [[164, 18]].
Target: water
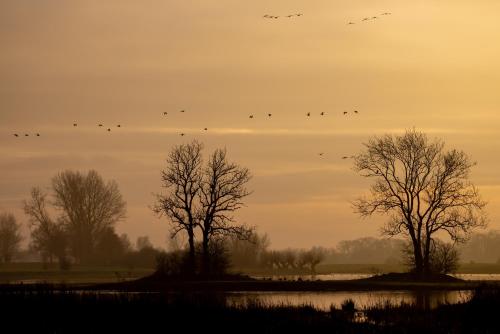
[[342, 277], [362, 299]]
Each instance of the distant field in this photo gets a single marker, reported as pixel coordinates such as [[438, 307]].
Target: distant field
[[34, 273]]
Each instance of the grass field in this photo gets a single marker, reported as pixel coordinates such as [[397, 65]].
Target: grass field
[[35, 273]]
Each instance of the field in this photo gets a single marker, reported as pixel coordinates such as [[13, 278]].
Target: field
[[35, 272]]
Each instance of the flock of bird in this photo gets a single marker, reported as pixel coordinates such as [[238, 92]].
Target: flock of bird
[[289, 16], [365, 19], [269, 115], [182, 134]]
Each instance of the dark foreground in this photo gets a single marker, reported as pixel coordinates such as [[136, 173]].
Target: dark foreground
[[41, 310]]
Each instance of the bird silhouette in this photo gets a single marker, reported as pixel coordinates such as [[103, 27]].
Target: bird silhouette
[[374, 17], [351, 23], [269, 115], [74, 124], [365, 19], [100, 125], [345, 157], [321, 154], [251, 116], [165, 113], [183, 110], [299, 14], [109, 129], [322, 113], [206, 129], [38, 135], [345, 112], [308, 114], [356, 112], [26, 135], [118, 126], [386, 13], [289, 16], [182, 134], [16, 135]]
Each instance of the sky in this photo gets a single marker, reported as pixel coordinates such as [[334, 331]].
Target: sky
[[431, 65]]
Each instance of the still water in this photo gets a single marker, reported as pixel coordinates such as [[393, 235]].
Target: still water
[[341, 277], [362, 299]]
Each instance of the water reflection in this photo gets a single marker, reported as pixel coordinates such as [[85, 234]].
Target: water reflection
[[362, 299]]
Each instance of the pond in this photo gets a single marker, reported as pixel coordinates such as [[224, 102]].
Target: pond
[[341, 277], [324, 300]]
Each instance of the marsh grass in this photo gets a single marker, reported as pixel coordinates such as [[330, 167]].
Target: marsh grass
[[45, 309]]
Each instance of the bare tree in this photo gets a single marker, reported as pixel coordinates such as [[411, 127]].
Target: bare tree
[[10, 237], [143, 242], [423, 188], [89, 206], [182, 178], [222, 190], [443, 257], [47, 237]]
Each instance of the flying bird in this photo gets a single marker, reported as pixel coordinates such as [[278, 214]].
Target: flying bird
[[118, 126], [321, 154], [74, 124], [109, 129], [206, 129], [269, 115], [299, 14], [26, 135], [165, 113], [16, 135], [365, 19], [356, 112], [351, 23], [183, 110], [308, 114], [38, 135], [100, 125], [322, 113], [386, 13], [374, 17], [345, 112], [251, 116], [182, 134]]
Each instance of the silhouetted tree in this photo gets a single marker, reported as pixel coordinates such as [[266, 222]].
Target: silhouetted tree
[[481, 247], [182, 178], [424, 188], [222, 190], [248, 253], [443, 257], [202, 197], [143, 242], [89, 206], [109, 248], [47, 236], [10, 237]]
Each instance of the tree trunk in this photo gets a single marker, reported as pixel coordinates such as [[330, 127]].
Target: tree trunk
[[206, 255], [419, 263], [192, 263], [427, 251]]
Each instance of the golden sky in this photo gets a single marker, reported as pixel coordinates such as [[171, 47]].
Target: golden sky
[[432, 65]]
